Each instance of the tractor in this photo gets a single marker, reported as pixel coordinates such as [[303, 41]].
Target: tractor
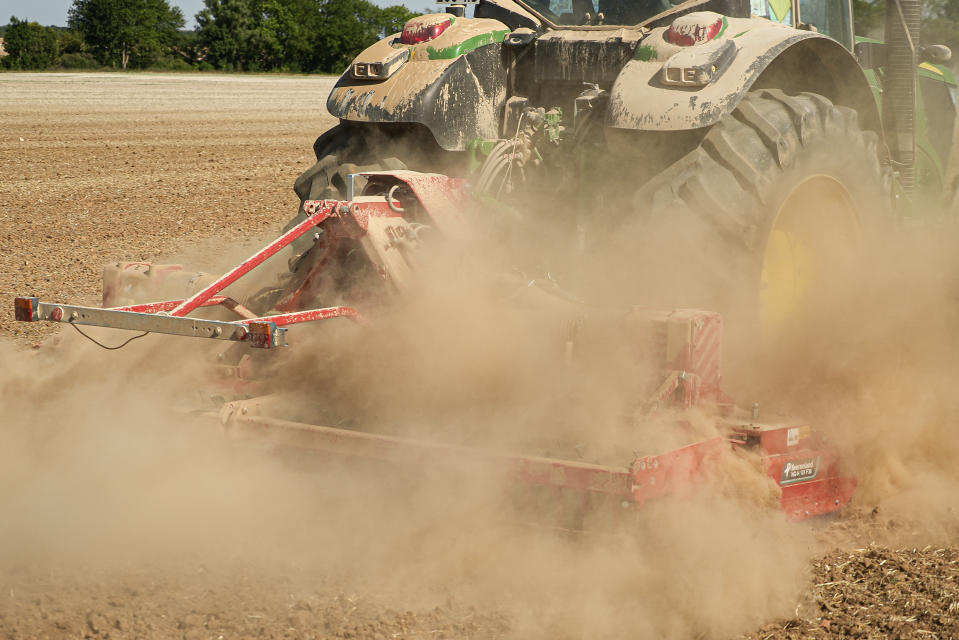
[[740, 152], [762, 140]]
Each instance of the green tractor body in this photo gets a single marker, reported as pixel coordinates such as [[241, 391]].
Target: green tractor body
[[759, 139], [665, 68]]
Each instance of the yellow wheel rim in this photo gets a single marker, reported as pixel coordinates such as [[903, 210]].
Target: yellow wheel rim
[[815, 234]]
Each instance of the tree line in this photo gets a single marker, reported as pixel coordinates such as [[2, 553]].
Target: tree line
[[231, 35], [276, 35]]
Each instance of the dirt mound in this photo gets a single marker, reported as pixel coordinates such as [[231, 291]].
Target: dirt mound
[[877, 592], [104, 167]]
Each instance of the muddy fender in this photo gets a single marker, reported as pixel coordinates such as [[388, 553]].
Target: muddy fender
[[667, 87], [455, 85]]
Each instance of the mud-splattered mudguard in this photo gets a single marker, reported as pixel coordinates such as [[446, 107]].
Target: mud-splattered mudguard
[[455, 85], [648, 97]]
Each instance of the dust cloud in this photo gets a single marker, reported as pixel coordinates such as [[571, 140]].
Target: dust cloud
[[98, 467], [96, 472], [875, 365]]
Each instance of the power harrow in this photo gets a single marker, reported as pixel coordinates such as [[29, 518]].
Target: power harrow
[[382, 233]]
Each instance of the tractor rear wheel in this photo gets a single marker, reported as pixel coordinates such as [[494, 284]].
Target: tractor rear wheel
[[773, 207], [345, 149]]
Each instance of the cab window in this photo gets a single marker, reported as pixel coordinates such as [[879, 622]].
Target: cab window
[[776, 10], [830, 17]]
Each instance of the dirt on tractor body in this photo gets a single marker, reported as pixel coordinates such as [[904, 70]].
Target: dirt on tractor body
[[120, 518]]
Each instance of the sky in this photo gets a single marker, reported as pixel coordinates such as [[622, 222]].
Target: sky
[[54, 12]]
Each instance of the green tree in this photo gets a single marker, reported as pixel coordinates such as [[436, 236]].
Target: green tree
[[345, 27], [224, 31], [188, 49], [869, 16], [126, 32], [30, 45], [292, 35], [281, 39], [71, 42], [392, 19]]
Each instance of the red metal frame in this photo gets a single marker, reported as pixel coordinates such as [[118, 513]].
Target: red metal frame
[[168, 305], [295, 317], [440, 195], [263, 332], [690, 342], [646, 479], [253, 261]]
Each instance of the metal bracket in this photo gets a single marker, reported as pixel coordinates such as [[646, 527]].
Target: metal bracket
[[350, 194]]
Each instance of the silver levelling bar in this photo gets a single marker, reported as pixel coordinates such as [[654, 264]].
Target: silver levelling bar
[[264, 335]]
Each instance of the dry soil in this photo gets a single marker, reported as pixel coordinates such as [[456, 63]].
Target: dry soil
[[102, 167]]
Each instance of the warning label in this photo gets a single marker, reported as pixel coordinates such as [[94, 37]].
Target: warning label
[[792, 437]]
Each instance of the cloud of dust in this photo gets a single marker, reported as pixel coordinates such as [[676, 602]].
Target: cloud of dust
[[874, 364], [95, 467]]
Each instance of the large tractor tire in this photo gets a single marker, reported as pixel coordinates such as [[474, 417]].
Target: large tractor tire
[[344, 150], [775, 205]]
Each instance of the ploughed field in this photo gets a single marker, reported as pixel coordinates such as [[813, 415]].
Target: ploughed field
[[102, 167], [96, 168]]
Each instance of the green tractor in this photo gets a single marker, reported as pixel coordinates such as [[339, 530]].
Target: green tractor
[[751, 144], [716, 152]]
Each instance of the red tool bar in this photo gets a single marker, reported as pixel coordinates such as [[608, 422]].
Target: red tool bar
[[817, 497], [283, 319], [253, 261], [530, 470], [167, 305]]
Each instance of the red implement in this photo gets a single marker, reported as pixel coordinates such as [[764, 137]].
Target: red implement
[[381, 230]]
